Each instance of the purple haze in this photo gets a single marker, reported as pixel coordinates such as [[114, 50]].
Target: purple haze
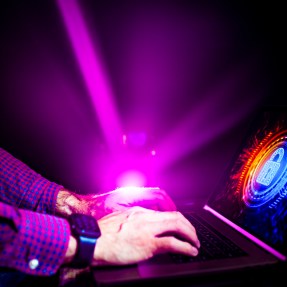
[[172, 77]]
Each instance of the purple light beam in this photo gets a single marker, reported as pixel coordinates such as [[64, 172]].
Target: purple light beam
[[213, 116], [93, 71]]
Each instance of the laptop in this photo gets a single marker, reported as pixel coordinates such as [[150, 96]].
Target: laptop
[[243, 222]]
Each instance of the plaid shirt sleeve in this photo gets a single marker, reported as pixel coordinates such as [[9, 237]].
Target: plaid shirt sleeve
[[31, 240], [22, 187]]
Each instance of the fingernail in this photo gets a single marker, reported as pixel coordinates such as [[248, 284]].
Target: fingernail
[[194, 251]]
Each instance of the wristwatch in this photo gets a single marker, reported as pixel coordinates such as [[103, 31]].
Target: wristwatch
[[86, 231]]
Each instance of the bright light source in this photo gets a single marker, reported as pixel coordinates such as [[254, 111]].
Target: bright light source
[[124, 139], [131, 178], [134, 189]]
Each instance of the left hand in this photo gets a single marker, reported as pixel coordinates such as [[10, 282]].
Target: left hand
[[122, 198], [119, 199]]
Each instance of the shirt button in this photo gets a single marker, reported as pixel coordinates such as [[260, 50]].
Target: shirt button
[[33, 264]]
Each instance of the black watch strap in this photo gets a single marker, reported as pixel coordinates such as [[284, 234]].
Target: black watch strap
[[86, 231]]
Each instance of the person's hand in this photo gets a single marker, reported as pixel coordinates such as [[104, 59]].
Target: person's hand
[[137, 234], [125, 197], [120, 199]]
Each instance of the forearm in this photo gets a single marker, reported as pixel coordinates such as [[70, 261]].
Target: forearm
[[68, 202], [36, 244], [65, 203]]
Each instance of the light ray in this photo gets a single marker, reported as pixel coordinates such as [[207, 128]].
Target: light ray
[[214, 115], [93, 71]]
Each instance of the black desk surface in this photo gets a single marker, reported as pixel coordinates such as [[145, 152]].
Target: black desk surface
[[271, 277], [259, 277]]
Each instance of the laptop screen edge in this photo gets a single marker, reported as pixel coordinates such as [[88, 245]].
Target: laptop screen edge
[[268, 248]]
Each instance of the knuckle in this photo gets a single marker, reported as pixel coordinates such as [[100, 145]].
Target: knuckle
[[167, 242]]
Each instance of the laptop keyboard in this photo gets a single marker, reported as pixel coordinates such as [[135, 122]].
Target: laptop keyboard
[[213, 245]]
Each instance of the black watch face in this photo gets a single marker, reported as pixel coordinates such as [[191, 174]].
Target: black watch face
[[84, 225]]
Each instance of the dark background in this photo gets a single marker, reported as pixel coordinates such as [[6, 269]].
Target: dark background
[[227, 58]]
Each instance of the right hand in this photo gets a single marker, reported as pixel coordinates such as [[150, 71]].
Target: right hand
[[134, 235]]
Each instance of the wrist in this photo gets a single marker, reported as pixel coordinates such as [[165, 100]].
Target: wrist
[[69, 202], [86, 231], [71, 251]]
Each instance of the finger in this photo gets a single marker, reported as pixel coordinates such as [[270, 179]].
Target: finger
[[179, 227], [167, 223], [171, 244], [181, 232]]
